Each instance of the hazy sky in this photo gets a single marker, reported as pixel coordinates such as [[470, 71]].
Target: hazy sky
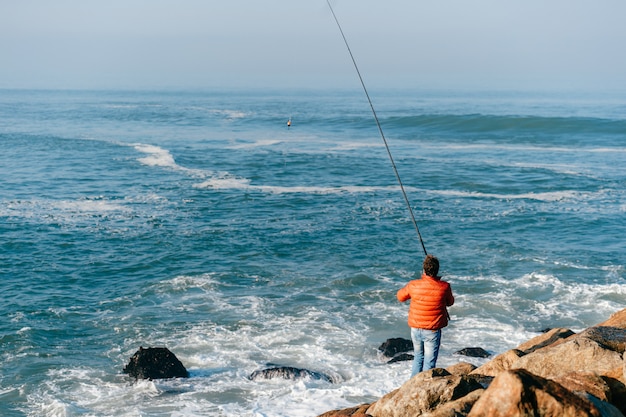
[[295, 43]]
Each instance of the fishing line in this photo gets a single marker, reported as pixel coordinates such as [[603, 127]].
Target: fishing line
[[380, 129]]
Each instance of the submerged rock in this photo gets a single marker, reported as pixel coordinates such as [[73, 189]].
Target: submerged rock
[[155, 363], [391, 347], [288, 372], [473, 352], [402, 357]]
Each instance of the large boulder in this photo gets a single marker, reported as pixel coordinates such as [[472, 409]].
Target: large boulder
[[425, 392], [155, 363], [520, 393], [577, 354]]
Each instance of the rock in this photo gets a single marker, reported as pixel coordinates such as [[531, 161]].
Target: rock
[[578, 354], [473, 352], [456, 408], [425, 392], [618, 392], [520, 393], [613, 338], [359, 411], [155, 363], [500, 363], [401, 358], [391, 347], [288, 372], [549, 337], [586, 382], [461, 368]]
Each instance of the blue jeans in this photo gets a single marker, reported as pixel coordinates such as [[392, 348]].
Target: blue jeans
[[426, 349]]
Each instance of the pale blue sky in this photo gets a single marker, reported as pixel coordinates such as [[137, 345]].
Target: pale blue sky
[[295, 43]]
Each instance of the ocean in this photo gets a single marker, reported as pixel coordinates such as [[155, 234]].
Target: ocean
[[199, 221]]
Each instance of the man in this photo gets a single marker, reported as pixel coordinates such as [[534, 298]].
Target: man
[[427, 313]]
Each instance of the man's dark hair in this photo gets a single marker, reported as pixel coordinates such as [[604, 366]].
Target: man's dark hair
[[431, 266]]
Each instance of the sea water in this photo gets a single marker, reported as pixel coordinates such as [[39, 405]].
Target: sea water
[[199, 221]]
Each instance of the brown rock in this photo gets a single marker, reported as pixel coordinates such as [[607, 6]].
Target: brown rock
[[616, 320], [502, 362], [520, 393], [359, 411], [461, 368], [586, 382], [578, 354], [424, 392], [456, 408], [545, 339]]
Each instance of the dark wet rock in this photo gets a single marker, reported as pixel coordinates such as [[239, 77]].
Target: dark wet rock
[[473, 352], [288, 372], [402, 357], [391, 347], [613, 338], [155, 363]]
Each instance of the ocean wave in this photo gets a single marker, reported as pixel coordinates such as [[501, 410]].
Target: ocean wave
[[546, 196], [520, 124], [519, 147], [221, 183]]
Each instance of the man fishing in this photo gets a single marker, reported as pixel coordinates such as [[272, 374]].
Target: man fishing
[[428, 314], [429, 295]]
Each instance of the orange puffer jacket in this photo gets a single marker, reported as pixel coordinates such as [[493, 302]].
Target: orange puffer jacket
[[429, 298]]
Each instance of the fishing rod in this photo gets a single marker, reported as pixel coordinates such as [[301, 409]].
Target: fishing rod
[[380, 129]]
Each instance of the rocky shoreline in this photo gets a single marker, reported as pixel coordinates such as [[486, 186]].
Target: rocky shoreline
[[559, 373]]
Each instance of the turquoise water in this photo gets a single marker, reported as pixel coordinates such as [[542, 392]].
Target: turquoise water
[[200, 222]]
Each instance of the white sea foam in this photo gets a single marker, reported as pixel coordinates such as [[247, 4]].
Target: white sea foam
[[66, 211], [230, 114], [156, 156], [225, 182]]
